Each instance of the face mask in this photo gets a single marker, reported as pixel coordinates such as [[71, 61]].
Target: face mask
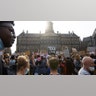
[[26, 71], [91, 68], [1, 45]]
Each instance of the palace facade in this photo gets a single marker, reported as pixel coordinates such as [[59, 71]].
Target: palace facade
[[40, 42]]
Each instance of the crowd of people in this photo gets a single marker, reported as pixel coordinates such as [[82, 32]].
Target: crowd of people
[[40, 64], [44, 64]]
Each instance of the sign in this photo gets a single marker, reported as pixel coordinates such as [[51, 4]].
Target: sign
[[91, 49], [66, 52], [51, 50]]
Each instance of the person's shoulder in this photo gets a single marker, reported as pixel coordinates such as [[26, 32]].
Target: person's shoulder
[[82, 71]]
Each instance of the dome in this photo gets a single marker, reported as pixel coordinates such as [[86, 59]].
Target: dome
[[49, 27]]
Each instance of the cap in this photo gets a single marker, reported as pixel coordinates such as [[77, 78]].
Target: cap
[[4, 23]]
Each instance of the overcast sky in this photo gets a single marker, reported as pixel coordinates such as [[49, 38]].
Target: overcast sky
[[80, 28]]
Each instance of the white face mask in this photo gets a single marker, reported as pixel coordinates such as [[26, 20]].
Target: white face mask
[[91, 68], [26, 71], [1, 45]]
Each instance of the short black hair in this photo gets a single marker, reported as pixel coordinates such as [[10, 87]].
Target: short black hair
[[12, 56], [12, 22]]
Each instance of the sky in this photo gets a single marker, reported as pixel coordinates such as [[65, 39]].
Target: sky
[[80, 28]]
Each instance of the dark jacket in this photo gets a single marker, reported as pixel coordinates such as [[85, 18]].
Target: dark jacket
[[3, 70]]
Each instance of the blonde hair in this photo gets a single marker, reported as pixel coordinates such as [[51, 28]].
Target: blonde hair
[[77, 57], [22, 62]]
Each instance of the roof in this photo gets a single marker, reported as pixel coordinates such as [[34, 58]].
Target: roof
[[69, 35], [94, 33], [48, 34], [29, 34]]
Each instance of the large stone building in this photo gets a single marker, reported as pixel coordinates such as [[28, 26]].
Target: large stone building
[[90, 41], [41, 41]]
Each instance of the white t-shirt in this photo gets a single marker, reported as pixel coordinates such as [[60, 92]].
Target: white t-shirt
[[82, 71]]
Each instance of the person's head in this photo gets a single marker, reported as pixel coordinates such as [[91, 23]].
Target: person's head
[[6, 58], [12, 57], [88, 63], [77, 57], [22, 65], [7, 34], [92, 56], [53, 63], [59, 56]]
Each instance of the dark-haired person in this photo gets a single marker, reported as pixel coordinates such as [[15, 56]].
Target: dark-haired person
[[53, 64], [7, 38], [69, 66], [93, 56]]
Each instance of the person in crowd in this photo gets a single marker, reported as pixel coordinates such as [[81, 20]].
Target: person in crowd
[[53, 64], [37, 63], [43, 68], [12, 60], [12, 65], [88, 66], [23, 65], [69, 66], [6, 59], [7, 38], [5, 62], [62, 67], [32, 64], [93, 56], [77, 63]]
